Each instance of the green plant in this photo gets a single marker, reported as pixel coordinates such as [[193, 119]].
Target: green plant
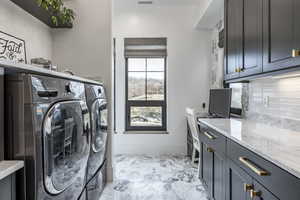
[[60, 15]]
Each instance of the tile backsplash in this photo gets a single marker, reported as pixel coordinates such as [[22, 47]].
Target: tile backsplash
[[274, 101]]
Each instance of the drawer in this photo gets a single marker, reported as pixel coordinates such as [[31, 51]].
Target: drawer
[[212, 139], [281, 183]]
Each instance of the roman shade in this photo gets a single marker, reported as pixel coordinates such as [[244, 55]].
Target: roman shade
[[145, 47]]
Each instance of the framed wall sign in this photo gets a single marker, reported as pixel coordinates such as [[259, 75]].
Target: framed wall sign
[[12, 48]]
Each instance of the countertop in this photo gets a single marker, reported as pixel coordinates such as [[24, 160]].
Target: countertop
[[9, 167], [11, 67], [279, 146]]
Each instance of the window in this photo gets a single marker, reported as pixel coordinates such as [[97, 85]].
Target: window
[[146, 94]]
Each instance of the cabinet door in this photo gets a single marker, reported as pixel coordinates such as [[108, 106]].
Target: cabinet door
[[281, 34], [207, 168], [218, 177], [252, 36], [238, 183], [260, 193], [234, 43]]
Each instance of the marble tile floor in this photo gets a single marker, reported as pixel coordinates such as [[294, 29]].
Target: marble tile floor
[[167, 177]]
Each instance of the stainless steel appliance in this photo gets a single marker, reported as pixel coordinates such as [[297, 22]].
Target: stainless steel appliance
[[47, 126], [96, 171]]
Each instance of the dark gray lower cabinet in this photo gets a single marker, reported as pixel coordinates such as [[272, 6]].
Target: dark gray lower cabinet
[[241, 186], [213, 172], [218, 174], [237, 183], [232, 172], [261, 193], [7, 188], [207, 168]]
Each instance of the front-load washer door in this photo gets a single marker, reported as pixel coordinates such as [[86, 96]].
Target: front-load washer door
[[66, 145]]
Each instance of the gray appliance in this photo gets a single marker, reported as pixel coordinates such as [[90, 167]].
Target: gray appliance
[[47, 126], [96, 171]]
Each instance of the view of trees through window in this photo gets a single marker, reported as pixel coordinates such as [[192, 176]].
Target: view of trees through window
[[146, 84]]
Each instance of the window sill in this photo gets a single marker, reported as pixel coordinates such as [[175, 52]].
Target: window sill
[[147, 132]]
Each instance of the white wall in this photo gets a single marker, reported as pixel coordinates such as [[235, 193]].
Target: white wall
[[217, 64], [17, 22], [86, 48], [187, 69]]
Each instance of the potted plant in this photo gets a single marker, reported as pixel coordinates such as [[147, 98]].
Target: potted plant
[[60, 15]]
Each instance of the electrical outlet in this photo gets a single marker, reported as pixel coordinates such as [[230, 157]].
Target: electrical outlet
[[266, 101]]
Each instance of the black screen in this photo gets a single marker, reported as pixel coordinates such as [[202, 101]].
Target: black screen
[[220, 102]]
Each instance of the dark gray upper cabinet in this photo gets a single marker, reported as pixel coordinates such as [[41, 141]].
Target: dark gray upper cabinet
[[234, 27], [280, 34], [262, 36], [244, 38], [252, 38]]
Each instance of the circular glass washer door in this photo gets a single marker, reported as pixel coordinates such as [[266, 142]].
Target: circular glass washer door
[[66, 145]]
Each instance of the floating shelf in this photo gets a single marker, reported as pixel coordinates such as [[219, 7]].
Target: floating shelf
[[40, 13]]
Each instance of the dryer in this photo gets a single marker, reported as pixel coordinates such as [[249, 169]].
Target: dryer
[[47, 126], [96, 170]]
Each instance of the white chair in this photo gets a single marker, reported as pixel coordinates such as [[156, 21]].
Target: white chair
[[192, 122]]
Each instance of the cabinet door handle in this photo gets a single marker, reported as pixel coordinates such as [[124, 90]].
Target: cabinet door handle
[[254, 194], [211, 137], [248, 187], [295, 53], [210, 150], [253, 167]]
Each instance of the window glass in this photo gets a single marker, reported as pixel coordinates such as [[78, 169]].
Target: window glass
[[136, 64], [136, 86], [145, 116], [155, 85], [156, 64]]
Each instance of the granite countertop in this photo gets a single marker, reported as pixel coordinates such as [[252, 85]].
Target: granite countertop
[[17, 67], [279, 146], [9, 167]]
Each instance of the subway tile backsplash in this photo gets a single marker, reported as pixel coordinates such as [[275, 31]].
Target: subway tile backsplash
[[274, 101]]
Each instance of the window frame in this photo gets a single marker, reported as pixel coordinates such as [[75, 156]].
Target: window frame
[[146, 103]]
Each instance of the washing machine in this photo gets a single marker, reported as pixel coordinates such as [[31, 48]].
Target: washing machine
[[47, 126], [96, 170]]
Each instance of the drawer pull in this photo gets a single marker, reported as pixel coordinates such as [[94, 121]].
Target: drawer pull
[[211, 137], [251, 166], [295, 53], [254, 194], [210, 150], [248, 187]]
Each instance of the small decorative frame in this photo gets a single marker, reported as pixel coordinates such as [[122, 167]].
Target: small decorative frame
[[12, 48]]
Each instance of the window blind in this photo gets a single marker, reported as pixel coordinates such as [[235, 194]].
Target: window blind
[[145, 47]]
